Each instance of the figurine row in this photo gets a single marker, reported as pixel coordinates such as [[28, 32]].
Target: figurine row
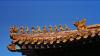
[[15, 29]]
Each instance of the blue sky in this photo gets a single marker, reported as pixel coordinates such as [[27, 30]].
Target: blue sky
[[33, 13]]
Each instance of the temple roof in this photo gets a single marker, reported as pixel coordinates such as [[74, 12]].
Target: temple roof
[[52, 37]]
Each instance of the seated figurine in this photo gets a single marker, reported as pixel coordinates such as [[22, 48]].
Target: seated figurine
[[33, 30], [61, 28], [38, 29], [50, 27], [45, 29], [27, 29], [56, 28], [14, 29], [22, 29]]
